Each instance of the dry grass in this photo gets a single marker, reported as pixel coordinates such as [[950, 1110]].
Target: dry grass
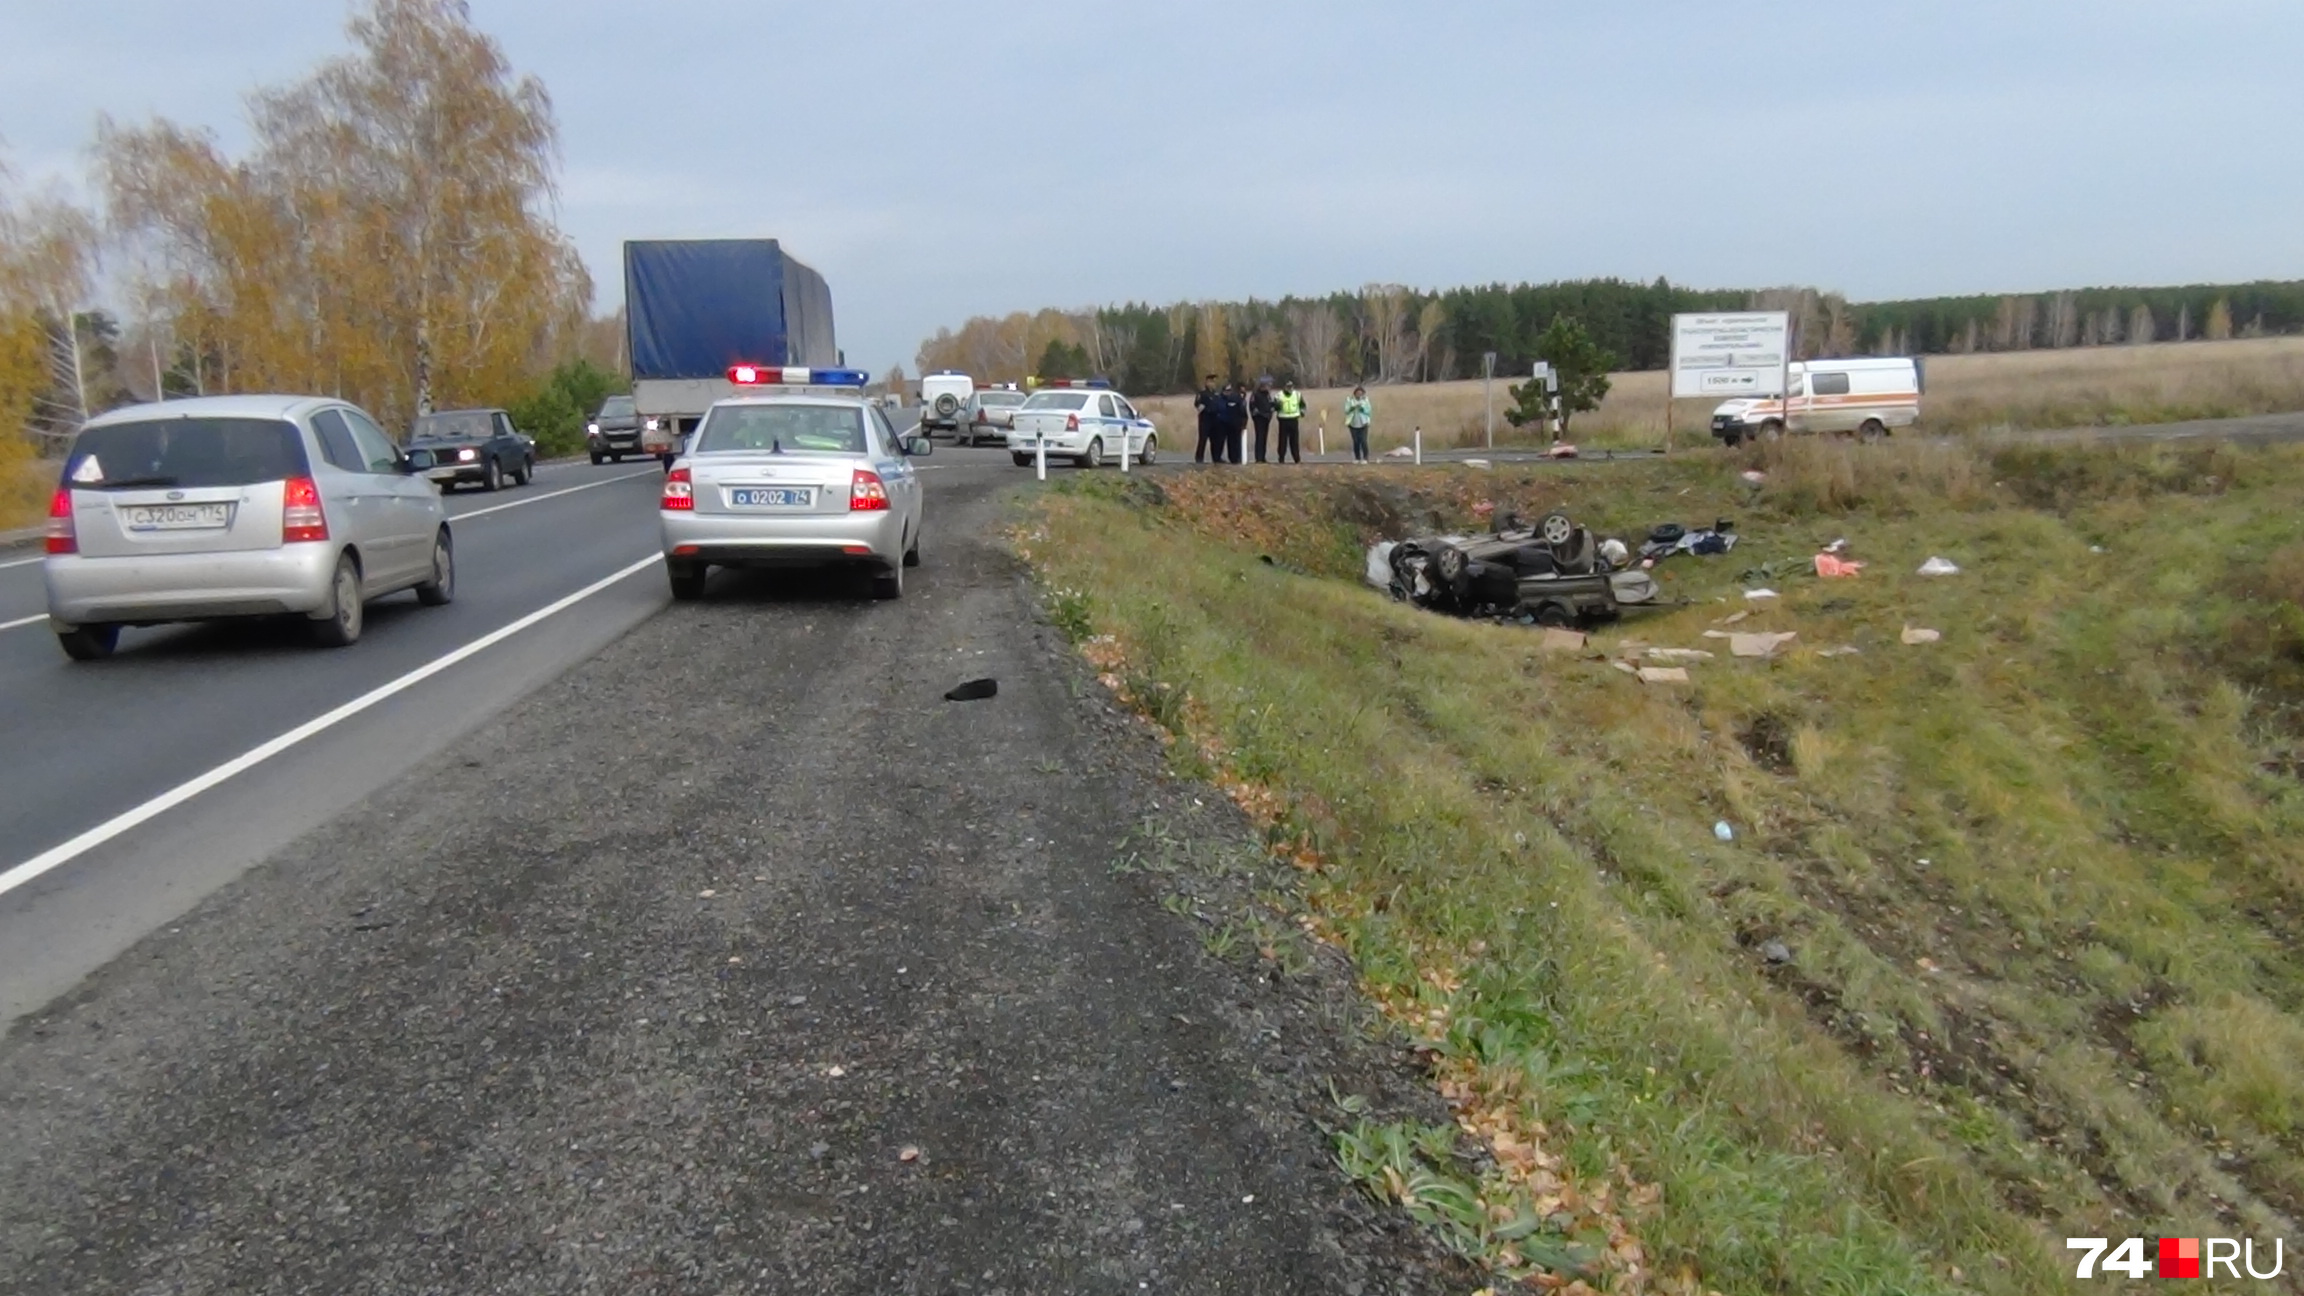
[[25, 485], [2081, 387], [2038, 883]]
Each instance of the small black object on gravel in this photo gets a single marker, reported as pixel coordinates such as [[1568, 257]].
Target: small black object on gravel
[[974, 691]]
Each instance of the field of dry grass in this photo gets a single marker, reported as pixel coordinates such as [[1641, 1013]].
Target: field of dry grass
[[1999, 948], [2083, 387], [24, 489]]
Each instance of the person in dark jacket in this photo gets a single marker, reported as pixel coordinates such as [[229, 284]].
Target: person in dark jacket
[[1233, 402], [1211, 423], [1260, 413]]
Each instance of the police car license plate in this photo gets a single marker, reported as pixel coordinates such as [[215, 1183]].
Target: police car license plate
[[770, 497]]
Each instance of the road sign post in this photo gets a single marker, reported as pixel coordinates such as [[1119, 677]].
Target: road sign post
[[1728, 354], [1488, 392]]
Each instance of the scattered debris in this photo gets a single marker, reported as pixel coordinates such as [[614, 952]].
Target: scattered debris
[[706, 894], [1672, 538], [1560, 450], [1400, 452], [1939, 567], [836, 1072], [1721, 830], [1760, 645], [2095, 548], [1918, 635], [975, 690], [1844, 650], [1626, 667], [1776, 952], [1559, 640], [1733, 618], [1479, 463], [1832, 566], [1754, 477], [1663, 674], [1678, 655], [1755, 595], [1837, 546], [908, 1153]]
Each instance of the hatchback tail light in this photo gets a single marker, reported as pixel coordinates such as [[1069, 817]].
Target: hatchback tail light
[[62, 538], [866, 492], [301, 517], [679, 492]]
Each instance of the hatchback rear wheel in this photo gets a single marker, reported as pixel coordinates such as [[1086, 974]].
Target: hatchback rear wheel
[[89, 642], [889, 584], [341, 629], [687, 580]]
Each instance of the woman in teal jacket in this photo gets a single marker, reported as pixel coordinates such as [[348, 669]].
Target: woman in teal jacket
[[1359, 412]]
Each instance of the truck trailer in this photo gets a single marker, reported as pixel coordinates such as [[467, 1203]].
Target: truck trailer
[[695, 307]]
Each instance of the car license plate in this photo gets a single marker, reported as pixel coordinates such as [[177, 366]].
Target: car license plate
[[771, 497], [177, 517]]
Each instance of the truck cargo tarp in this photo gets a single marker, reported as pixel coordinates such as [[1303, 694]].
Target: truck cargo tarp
[[693, 308]]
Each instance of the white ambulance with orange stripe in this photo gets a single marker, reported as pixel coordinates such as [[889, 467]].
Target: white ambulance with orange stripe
[[1870, 397]]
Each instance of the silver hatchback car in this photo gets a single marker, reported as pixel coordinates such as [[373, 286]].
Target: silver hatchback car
[[235, 506], [810, 476]]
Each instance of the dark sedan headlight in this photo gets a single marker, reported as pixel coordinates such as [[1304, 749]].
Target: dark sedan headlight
[[467, 454]]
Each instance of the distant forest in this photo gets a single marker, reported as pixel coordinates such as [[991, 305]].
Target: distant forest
[[1389, 333]]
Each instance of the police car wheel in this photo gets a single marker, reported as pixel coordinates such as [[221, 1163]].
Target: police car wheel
[[1151, 450], [1093, 457], [1022, 460]]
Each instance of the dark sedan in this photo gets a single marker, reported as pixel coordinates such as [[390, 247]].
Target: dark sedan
[[477, 447]]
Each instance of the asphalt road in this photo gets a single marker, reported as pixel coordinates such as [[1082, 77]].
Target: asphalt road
[[730, 958]]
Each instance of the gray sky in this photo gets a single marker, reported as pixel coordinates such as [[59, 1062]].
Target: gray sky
[[939, 158]]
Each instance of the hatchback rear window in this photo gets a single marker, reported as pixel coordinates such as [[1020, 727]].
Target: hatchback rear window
[[186, 452], [787, 429], [1057, 401]]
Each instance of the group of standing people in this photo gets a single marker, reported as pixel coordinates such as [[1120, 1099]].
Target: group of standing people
[[1226, 412]]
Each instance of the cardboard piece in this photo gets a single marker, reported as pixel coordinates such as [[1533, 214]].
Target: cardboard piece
[[1678, 655], [1760, 645], [1558, 640], [1918, 635], [1663, 675]]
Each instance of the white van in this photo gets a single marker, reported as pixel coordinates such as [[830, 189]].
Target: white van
[[944, 397], [1869, 397]]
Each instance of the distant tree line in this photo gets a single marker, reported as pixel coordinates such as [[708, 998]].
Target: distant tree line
[[1386, 333]]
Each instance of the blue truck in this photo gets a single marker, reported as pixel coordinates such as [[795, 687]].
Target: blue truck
[[694, 307]]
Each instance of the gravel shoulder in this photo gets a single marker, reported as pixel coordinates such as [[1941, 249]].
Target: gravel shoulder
[[734, 960]]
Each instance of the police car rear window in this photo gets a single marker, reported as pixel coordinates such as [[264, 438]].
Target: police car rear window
[[783, 429], [186, 452], [1058, 401], [1001, 398]]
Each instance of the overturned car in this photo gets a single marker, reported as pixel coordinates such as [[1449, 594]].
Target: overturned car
[[1554, 573]]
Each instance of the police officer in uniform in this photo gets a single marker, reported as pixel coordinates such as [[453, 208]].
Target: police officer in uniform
[[1289, 405], [1260, 412], [1211, 433]]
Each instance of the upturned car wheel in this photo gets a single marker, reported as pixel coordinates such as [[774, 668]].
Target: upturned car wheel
[[341, 628], [441, 589], [89, 642], [1556, 528]]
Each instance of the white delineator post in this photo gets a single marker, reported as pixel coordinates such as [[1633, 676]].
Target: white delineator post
[[1419, 446], [1040, 452], [1323, 434], [1123, 449]]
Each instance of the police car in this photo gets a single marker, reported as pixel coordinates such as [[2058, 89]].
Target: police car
[[803, 473], [1086, 422]]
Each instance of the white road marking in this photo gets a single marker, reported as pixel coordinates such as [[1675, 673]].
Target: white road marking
[[538, 499], [185, 791], [22, 621]]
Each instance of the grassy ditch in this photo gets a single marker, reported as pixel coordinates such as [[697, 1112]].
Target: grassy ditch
[[2004, 947]]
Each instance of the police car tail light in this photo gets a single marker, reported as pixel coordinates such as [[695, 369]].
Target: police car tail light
[[301, 517], [866, 492], [679, 492], [795, 376], [1071, 422], [62, 538]]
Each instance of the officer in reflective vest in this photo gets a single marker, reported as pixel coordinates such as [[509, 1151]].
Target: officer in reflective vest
[[1289, 405]]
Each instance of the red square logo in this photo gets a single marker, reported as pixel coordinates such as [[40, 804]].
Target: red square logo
[[2179, 1257]]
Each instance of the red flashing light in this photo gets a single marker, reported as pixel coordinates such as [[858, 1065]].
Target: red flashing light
[[302, 520], [62, 538], [866, 492], [679, 492]]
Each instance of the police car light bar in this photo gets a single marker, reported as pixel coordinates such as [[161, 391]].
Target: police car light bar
[[1105, 383], [792, 376]]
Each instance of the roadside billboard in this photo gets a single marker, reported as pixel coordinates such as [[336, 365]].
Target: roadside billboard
[[1729, 354]]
